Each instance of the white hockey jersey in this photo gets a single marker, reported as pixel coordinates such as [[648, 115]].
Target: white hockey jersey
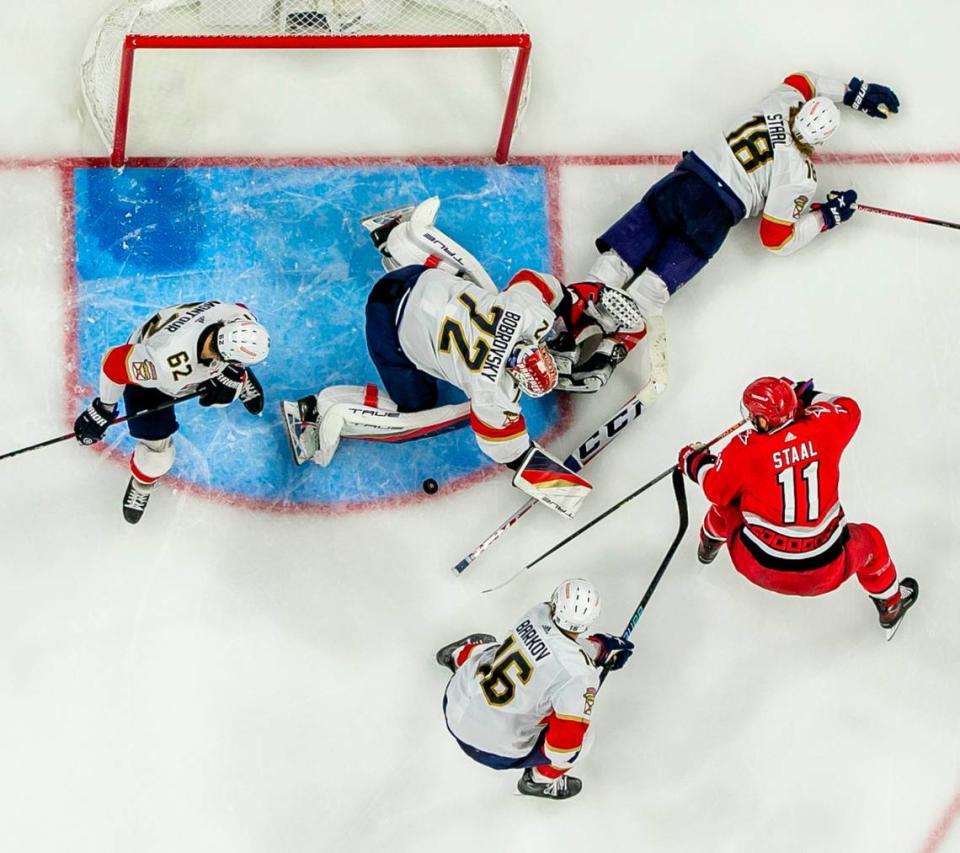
[[164, 352], [463, 334], [503, 697], [758, 159]]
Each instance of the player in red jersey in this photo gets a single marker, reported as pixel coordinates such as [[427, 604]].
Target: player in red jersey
[[775, 501]]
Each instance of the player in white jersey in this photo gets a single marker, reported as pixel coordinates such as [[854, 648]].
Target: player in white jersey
[[526, 703], [760, 166], [437, 317], [200, 346]]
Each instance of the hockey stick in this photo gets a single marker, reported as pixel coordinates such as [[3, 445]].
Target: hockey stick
[[912, 216], [681, 497], [585, 452], [628, 498], [125, 418]]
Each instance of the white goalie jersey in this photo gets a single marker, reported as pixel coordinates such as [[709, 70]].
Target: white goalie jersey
[[164, 352], [504, 696], [464, 334]]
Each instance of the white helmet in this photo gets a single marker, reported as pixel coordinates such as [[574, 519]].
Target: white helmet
[[243, 341], [533, 368], [816, 121], [575, 605]]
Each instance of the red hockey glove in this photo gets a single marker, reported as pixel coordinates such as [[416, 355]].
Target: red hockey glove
[[694, 458]]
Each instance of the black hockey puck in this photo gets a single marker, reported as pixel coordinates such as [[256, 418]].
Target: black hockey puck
[[430, 486]]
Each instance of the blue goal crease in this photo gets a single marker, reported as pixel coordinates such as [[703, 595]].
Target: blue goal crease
[[288, 243]]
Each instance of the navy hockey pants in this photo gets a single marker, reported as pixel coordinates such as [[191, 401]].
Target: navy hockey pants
[[409, 387], [152, 427], [677, 226], [534, 758]]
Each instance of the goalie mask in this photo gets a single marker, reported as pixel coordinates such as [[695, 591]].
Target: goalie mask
[[532, 367]]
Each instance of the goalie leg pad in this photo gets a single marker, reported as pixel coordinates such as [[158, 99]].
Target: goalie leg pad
[[547, 480], [419, 242]]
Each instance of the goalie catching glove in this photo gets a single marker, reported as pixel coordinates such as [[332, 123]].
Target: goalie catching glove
[[547, 480]]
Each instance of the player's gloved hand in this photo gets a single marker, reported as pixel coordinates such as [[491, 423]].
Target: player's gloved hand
[[594, 373], [93, 421], [871, 98], [223, 388], [614, 651], [805, 392], [251, 394], [839, 207], [693, 458]]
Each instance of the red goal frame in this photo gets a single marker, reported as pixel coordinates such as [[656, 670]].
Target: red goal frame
[[134, 42]]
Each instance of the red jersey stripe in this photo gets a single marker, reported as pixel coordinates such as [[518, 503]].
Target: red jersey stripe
[[775, 234], [802, 84], [491, 433], [530, 277], [115, 364]]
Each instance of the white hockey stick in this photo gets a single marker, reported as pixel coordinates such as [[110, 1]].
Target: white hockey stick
[[584, 453]]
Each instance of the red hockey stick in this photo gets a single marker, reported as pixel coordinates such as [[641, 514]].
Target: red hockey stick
[[899, 215]]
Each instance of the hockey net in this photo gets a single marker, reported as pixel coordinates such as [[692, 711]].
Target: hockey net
[[107, 65]]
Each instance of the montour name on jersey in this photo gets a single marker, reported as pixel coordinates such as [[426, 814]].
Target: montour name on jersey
[[186, 317], [531, 638], [793, 455], [502, 336]]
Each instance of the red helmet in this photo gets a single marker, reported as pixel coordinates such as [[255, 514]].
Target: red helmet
[[773, 399]]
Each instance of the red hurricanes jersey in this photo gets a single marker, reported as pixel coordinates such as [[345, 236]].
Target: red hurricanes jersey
[[786, 482]]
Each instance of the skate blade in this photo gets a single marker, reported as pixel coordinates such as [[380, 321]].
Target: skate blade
[[375, 220], [290, 413]]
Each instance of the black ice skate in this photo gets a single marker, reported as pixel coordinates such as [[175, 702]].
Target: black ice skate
[[559, 789], [891, 617], [135, 500], [709, 548], [445, 655], [300, 423], [379, 225]]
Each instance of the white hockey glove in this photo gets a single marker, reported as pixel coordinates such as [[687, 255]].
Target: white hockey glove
[[546, 479], [613, 310]]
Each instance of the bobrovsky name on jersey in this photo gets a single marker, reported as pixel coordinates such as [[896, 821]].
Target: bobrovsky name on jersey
[[501, 346]]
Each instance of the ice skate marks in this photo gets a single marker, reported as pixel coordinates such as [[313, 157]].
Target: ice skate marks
[[288, 243]]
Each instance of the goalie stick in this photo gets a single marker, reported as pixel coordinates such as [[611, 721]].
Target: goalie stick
[[612, 509], [585, 452]]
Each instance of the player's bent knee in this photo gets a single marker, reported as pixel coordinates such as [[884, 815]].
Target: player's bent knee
[[153, 458]]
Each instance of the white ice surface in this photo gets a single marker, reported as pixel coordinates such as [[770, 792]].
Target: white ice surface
[[222, 680]]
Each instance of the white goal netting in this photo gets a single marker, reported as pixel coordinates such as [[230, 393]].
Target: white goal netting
[[101, 64]]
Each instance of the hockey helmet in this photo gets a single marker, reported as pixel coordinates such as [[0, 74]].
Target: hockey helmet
[[772, 399], [244, 341], [575, 605], [532, 367], [816, 121]]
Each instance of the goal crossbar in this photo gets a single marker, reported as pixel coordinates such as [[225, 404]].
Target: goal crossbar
[[135, 41]]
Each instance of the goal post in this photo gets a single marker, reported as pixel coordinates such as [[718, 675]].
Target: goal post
[[107, 70]]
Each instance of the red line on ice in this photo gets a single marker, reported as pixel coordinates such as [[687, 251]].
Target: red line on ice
[[939, 832]]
